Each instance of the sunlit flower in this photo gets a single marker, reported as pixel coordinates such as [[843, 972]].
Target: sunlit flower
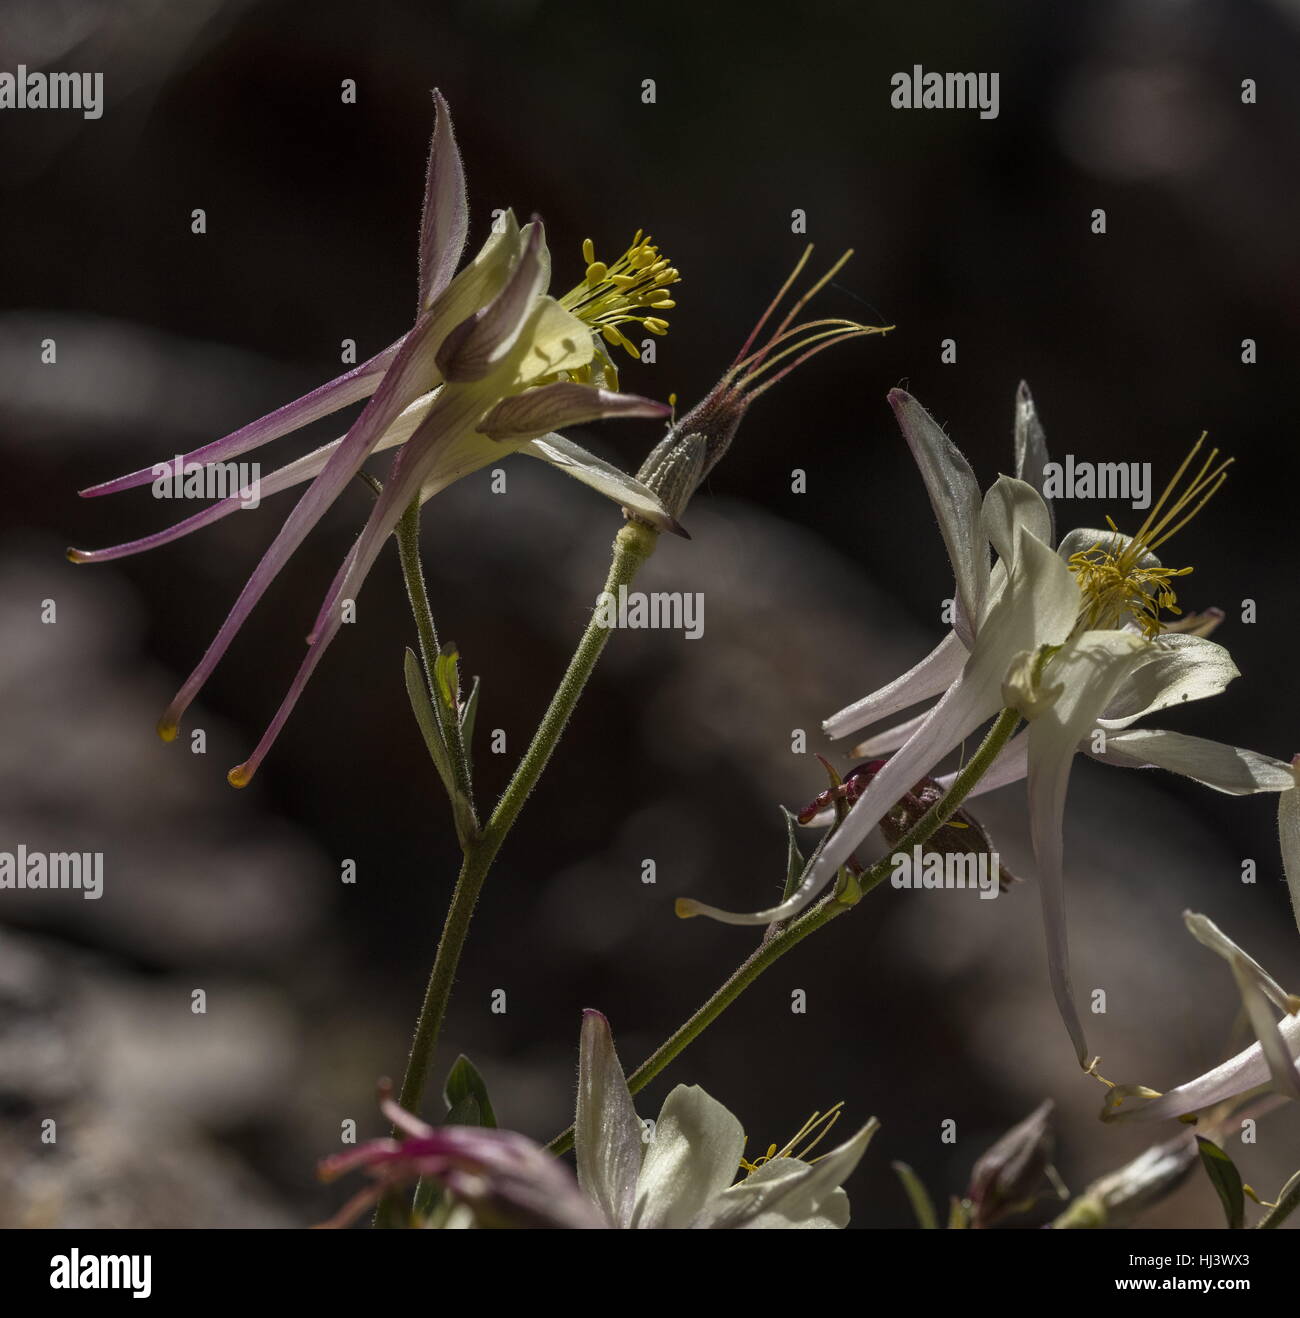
[[683, 1173], [1273, 1059], [492, 365], [1073, 639]]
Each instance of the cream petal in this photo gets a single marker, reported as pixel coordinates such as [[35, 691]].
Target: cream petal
[[693, 1155], [787, 1193], [1288, 832], [608, 1139], [1010, 504], [1228, 769], [925, 680], [1031, 450], [1088, 670], [955, 497], [1183, 668]]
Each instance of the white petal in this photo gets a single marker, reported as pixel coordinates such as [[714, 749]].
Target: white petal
[[693, 1156], [626, 491], [955, 497], [1225, 768], [1031, 448], [1184, 668], [787, 1193], [1288, 832], [1246, 1071], [1088, 670], [889, 740], [931, 677], [607, 1139], [1010, 504], [1208, 934]]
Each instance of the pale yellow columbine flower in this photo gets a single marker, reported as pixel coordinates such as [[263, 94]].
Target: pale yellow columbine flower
[[493, 365]]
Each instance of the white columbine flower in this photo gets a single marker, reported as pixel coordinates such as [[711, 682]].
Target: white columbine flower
[[1273, 1057], [683, 1175], [1073, 639]]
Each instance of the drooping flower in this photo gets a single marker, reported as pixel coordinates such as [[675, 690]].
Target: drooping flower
[[684, 1173], [1275, 1057], [501, 1178], [492, 365], [1072, 639]]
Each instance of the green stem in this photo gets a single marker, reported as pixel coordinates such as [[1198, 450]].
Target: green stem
[[837, 903], [632, 546]]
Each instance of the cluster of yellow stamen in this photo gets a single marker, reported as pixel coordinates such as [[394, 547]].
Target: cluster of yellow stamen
[[1116, 584], [633, 289], [809, 1135]]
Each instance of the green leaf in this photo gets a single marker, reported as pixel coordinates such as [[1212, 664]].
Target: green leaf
[[794, 861], [918, 1196], [426, 716], [1287, 1202], [462, 809], [464, 1085], [1226, 1181]]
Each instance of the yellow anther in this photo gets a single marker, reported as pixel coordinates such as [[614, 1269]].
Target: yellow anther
[[588, 251], [625, 291], [596, 273], [1115, 583]]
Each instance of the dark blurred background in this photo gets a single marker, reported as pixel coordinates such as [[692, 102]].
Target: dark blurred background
[[921, 1008]]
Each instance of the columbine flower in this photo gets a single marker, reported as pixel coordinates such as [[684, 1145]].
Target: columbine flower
[[491, 366], [503, 1179], [1073, 639], [683, 1175], [1273, 1057]]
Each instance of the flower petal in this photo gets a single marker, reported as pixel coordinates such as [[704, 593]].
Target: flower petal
[[1246, 1071], [1184, 668], [350, 387], [1010, 766], [535, 412], [1088, 670], [955, 497], [693, 1156], [284, 478], [883, 743], [1031, 449], [1010, 504], [1288, 832], [612, 481], [927, 679], [786, 1192], [1225, 768], [478, 344], [444, 221], [608, 1137]]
